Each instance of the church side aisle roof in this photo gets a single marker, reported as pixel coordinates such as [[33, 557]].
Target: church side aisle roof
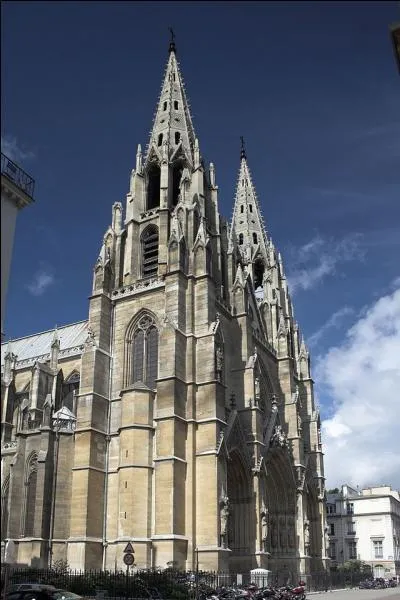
[[38, 344]]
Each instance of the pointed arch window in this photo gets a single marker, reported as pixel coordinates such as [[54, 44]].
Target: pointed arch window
[[4, 508], [70, 389], [165, 106], [177, 171], [30, 495], [240, 239], [241, 208], [177, 137], [255, 240], [145, 352], [159, 142], [251, 208], [150, 252], [153, 186], [176, 104]]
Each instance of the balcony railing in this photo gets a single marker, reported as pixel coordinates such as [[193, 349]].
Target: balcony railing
[[12, 171]]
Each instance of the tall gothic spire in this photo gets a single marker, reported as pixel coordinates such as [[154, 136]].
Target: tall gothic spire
[[247, 222], [172, 126]]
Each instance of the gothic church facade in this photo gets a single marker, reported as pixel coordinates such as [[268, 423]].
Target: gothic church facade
[[180, 417]]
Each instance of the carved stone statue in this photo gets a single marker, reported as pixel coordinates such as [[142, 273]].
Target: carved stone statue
[[326, 537], [264, 527], [219, 362], [224, 518], [307, 536], [278, 438], [90, 338], [257, 390]]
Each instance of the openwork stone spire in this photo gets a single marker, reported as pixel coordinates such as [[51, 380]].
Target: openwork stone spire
[[247, 223], [172, 127]]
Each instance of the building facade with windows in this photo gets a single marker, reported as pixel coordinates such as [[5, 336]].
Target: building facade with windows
[[365, 525], [180, 417]]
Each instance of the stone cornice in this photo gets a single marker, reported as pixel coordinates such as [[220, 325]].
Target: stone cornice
[[137, 288]]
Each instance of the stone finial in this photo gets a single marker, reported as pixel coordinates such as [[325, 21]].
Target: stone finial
[[212, 175], [196, 154], [139, 159], [117, 217], [9, 363], [54, 350]]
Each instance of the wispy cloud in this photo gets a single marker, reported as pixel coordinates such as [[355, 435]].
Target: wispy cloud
[[14, 150], [317, 259], [42, 280], [361, 377], [333, 322]]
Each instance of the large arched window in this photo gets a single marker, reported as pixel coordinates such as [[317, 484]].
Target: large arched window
[[30, 495], [145, 352], [150, 251], [141, 354]]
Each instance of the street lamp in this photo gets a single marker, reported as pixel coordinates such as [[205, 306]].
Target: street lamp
[[56, 427]]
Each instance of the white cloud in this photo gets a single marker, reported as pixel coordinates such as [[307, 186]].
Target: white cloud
[[41, 281], [11, 148], [319, 258], [362, 379], [333, 322]]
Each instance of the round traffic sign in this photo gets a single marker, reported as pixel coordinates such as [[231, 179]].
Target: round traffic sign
[[129, 559]]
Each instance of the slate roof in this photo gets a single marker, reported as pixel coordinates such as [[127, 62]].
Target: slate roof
[[37, 345]]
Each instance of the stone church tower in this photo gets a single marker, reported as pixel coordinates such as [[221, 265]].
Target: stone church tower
[[181, 416]]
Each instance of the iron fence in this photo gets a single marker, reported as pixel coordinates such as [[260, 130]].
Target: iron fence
[[171, 584], [12, 171]]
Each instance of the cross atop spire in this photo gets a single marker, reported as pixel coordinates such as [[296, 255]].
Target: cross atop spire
[[172, 47], [172, 130], [242, 149]]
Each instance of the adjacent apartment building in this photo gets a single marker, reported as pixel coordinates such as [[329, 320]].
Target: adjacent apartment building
[[16, 192], [365, 525]]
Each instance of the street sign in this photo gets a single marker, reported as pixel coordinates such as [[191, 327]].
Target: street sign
[[129, 549], [129, 559]]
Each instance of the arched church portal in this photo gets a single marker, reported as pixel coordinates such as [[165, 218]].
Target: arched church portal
[[241, 531]]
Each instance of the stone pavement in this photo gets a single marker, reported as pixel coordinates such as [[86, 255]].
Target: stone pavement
[[356, 594]]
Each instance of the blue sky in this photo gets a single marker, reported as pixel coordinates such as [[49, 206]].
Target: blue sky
[[312, 86]]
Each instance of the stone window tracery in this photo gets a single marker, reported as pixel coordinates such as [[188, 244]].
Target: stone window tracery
[[144, 352], [30, 494]]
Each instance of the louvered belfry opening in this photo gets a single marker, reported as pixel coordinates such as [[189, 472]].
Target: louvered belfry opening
[[150, 252]]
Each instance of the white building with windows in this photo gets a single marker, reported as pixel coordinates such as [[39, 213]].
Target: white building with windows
[[16, 192], [365, 525]]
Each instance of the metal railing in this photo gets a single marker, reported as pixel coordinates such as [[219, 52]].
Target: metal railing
[[170, 584], [18, 176]]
